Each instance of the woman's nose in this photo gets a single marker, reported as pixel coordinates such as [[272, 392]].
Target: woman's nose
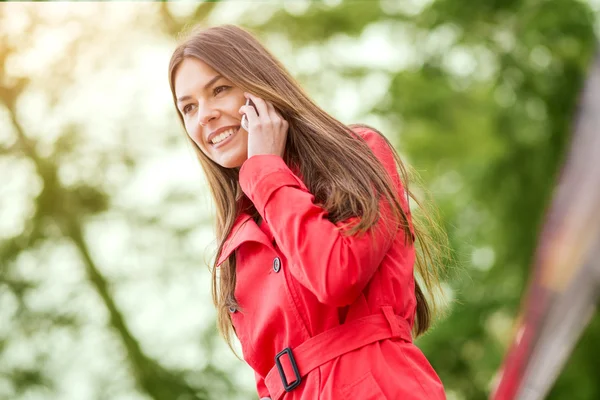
[[206, 116]]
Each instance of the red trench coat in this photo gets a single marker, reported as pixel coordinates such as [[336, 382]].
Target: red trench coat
[[343, 307]]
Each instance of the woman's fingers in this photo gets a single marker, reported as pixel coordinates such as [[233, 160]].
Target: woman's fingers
[[260, 104], [273, 114], [265, 116], [267, 128]]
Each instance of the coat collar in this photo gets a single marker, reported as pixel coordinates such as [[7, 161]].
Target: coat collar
[[244, 230]]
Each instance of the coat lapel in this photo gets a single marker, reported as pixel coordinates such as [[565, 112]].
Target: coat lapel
[[244, 230]]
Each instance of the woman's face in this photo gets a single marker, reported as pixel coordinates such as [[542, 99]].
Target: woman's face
[[210, 107]]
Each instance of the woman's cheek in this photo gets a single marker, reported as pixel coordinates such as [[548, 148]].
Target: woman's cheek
[[193, 133]]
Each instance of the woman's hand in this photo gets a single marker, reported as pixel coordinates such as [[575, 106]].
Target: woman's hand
[[267, 131]]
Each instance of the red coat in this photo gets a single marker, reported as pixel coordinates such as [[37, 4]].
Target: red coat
[[298, 277]]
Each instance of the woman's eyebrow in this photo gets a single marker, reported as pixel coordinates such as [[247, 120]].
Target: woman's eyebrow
[[213, 80]]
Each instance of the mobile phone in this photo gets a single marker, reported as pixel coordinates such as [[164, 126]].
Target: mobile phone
[[244, 118]]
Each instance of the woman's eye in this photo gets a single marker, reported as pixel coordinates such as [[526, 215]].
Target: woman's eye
[[219, 89], [187, 108]]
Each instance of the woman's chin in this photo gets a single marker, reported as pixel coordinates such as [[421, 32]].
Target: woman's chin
[[233, 162]]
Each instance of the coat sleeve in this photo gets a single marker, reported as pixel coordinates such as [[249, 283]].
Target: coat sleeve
[[335, 267]]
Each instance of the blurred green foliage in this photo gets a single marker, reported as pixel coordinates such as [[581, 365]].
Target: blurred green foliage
[[482, 107]]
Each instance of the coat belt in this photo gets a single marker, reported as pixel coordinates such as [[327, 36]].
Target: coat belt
[[335, 342]]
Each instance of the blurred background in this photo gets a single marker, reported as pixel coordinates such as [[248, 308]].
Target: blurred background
[[106, 220]]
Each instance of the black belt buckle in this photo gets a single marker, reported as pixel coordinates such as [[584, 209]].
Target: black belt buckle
[[288, 386]]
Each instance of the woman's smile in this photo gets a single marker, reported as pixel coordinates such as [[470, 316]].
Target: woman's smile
[[224, 138]]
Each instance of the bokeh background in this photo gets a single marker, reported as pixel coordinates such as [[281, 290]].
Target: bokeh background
[[105, 218]]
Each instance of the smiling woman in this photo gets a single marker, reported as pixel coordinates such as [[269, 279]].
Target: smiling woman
[[315, 267]]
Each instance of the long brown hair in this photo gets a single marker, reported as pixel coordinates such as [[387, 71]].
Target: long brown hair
[[337, 166]]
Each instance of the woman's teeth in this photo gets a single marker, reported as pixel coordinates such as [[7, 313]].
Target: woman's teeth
[[223, 136]]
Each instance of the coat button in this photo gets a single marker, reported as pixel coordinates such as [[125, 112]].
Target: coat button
[[232, 309], [276, 264]]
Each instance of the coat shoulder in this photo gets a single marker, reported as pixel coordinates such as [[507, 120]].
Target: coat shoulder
[[377, 142], [374, 138]]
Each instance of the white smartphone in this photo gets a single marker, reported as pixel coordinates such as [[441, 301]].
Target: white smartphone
[[244, 118]]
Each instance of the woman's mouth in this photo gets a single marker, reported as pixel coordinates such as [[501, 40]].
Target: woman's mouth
[[224, 137]]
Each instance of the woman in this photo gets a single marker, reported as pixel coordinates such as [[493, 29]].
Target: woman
[[314, 269]]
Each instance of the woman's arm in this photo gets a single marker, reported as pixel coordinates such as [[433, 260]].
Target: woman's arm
[[336, 268]]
